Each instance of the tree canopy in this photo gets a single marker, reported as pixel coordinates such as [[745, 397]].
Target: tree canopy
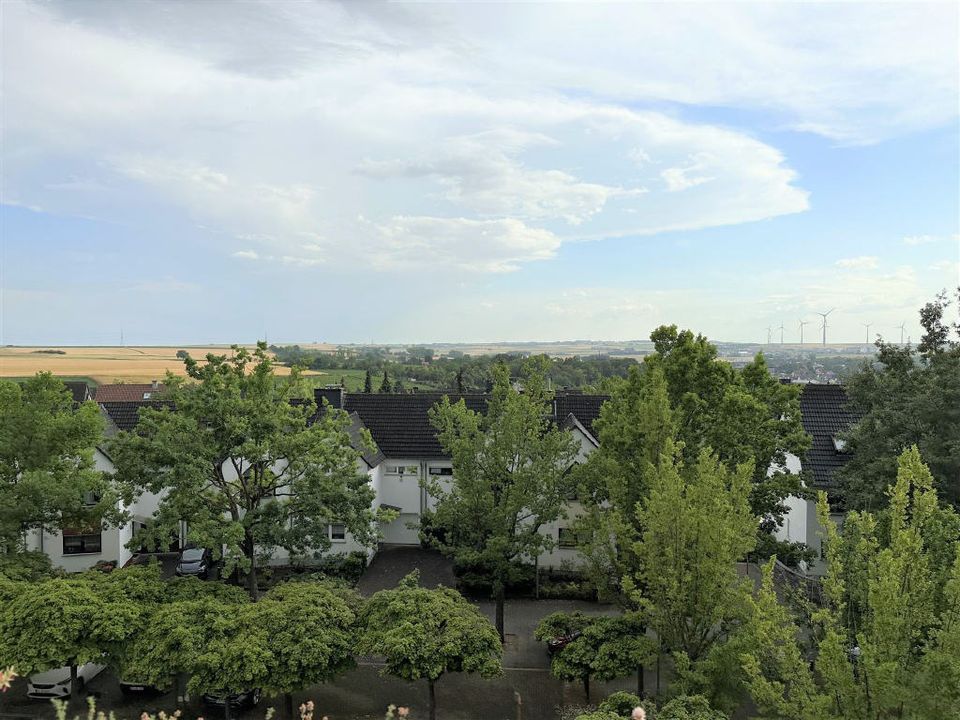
[[909, 396], [425, 633], [47, 473], [248, 460], [510, 478], [886, 641]]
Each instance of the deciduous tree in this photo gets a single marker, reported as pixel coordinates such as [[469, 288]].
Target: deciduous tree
[[47, 473], [424, 634], [509, 479], [248, 461]]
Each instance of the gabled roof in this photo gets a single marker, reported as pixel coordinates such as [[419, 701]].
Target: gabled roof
[[823, 410], [128, 392], [80, 390], [124, 415], [400, 422]]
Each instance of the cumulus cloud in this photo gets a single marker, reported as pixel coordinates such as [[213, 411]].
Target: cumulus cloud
[[371, 136], [277, 129]]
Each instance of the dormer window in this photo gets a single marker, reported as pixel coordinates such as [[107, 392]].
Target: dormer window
[[839, 444]]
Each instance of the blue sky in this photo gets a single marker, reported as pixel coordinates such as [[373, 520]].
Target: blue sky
[[219, 172]]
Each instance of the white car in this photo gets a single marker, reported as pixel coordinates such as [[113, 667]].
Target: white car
[[56, 683]]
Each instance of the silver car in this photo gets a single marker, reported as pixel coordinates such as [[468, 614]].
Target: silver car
[[56, 683]]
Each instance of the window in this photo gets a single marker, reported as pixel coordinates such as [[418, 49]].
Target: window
[[76, 543], [839, 444], [566, 537], [90, 498], [338, 532], [403, 470], [445, 471], [146, 395]]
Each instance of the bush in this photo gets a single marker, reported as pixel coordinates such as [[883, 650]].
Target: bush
[[26, 566], [620, 703], [689, 707], [343, 566]]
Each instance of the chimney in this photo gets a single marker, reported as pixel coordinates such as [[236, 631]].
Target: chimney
[[155, 384]]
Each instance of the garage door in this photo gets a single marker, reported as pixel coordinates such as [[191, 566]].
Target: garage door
[[397, 532]]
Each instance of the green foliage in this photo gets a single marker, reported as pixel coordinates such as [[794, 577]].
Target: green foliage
[[885, 645], [689, 707], [53, 623], [47, 473], [696, 525], [910, 396], [247, 461], [606, 647], [509, 479], [385, 385], [621, 703], [424, 633], [30, 566]]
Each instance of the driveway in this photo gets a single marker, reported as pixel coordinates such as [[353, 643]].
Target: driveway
[[394, 562]]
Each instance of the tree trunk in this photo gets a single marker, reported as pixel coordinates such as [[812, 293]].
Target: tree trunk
[[498, 595], [640, 686], [250, 549], [288, 704], [433, 700], [74, 683], [226, 706], [586, 687]]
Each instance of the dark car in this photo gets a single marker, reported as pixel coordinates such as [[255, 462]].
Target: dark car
[[134, 687], [245, 699], [196, 562], [561, 641]]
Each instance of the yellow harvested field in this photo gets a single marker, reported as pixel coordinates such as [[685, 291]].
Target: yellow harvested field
[[104, 364]]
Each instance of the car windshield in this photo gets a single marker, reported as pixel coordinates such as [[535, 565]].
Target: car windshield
[[192, 555]]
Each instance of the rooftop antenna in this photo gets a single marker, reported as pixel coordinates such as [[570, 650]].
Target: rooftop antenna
[[781, 333], [824, 316], [901, 326], [867, 326], [802, 323]]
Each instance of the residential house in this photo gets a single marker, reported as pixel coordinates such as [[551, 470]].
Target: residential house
[[824, 413]]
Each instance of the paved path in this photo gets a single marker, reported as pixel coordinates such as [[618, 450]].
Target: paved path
[[394, 562]]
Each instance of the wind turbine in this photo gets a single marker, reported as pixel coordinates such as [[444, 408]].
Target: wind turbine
[[769, 330], [824, 316], [781, 333], [802, 323], [901, 326], [867, 326]]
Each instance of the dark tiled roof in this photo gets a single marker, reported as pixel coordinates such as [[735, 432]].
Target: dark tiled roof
[[79, 390], [372, 457], [126, 392], [125, 414], [825, 417], [400, 423]]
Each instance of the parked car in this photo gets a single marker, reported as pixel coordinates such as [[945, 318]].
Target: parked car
[[561, 641], [245, 699], [196, 562], [56, 683], [134, 687]]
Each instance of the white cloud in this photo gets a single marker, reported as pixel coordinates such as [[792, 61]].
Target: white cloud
[[276, 130], [863, 261], [474, 245], [246, 255]]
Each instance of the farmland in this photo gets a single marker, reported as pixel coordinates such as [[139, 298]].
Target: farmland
[[103, 365]]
